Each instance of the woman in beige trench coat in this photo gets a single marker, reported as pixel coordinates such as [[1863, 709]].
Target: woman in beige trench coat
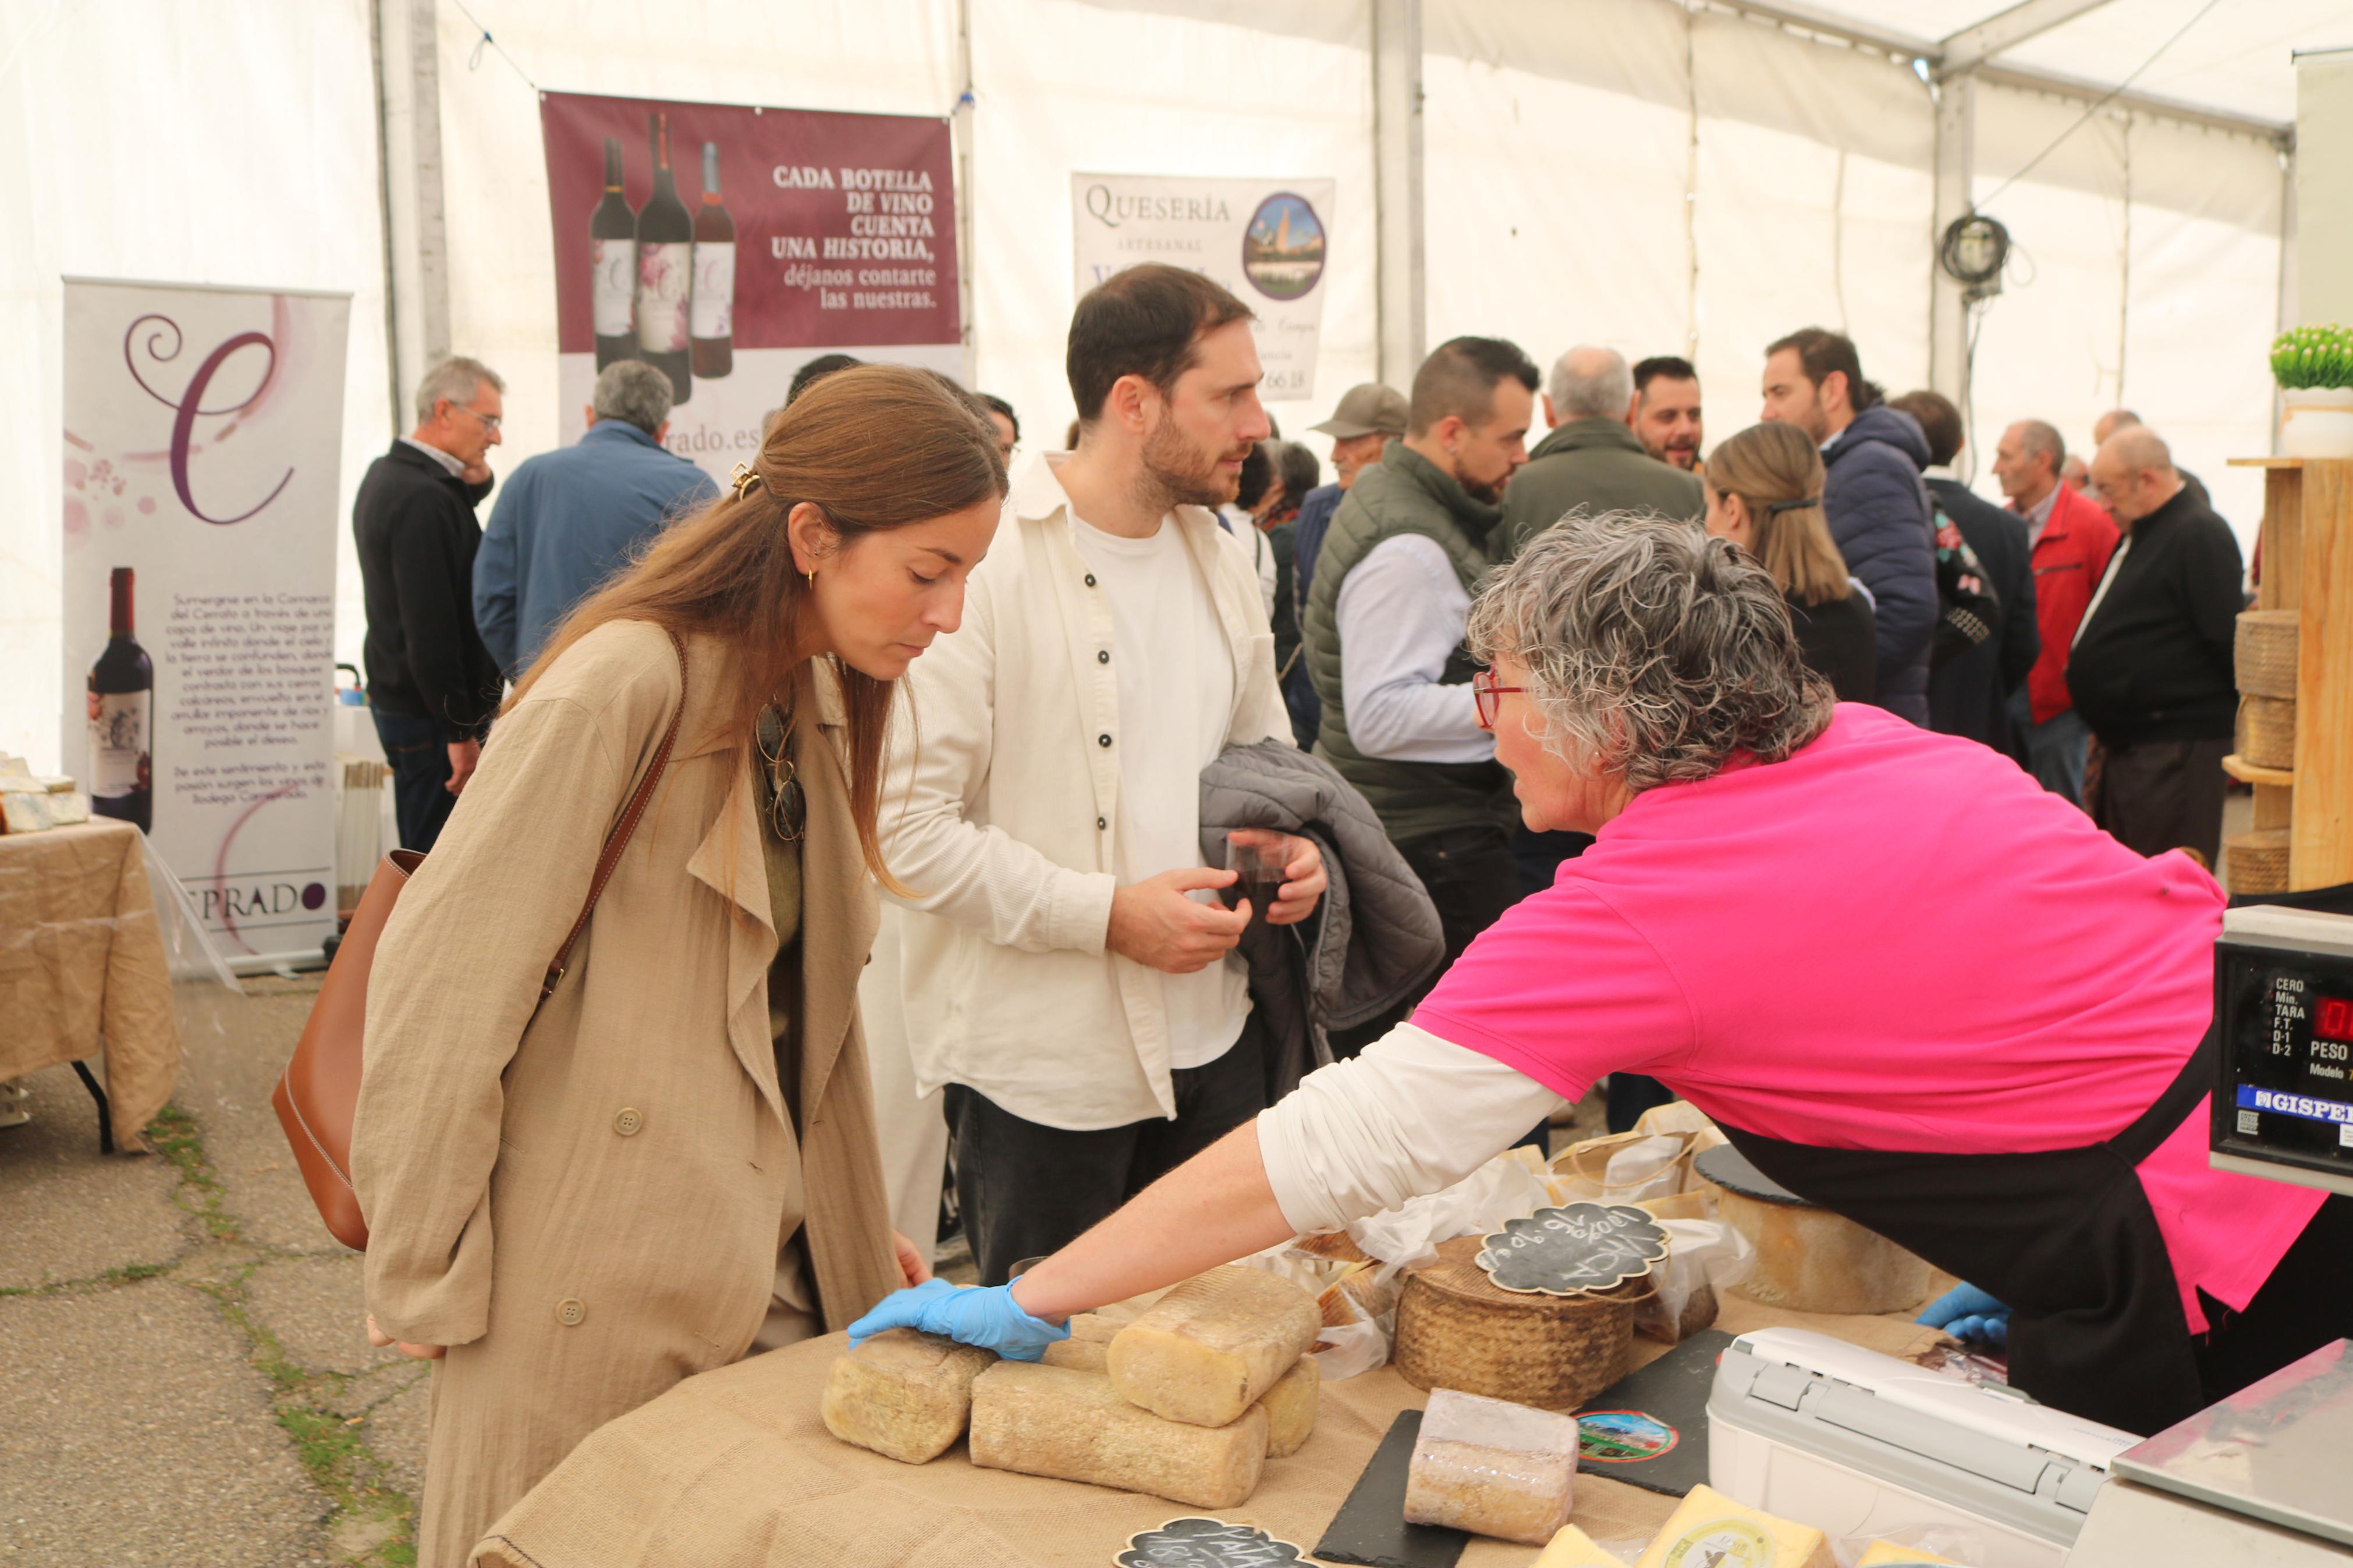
[[576, 1204]]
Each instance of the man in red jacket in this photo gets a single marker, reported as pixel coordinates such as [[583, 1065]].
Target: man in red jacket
[[2072, 537]]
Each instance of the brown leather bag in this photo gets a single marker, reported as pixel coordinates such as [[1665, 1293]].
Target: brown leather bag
[[318, 1096]]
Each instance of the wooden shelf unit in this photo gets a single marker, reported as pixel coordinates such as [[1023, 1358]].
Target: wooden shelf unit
[[2307, 565]]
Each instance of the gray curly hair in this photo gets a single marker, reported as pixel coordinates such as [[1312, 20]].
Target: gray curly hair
[[1655, 652]]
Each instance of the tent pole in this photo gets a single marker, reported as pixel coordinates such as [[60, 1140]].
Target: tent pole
[[960, 125], [1397, 184], [1948, 305]]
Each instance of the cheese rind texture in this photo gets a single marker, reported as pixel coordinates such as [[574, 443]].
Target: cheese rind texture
[[1077, 1354], [904, 1395], [1075, 1427], [1711, 1530], [1290, 1407], [1207, 1350], [1099, 1327]]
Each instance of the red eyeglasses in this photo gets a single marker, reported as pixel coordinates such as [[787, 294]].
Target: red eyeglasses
[[1488, 697]]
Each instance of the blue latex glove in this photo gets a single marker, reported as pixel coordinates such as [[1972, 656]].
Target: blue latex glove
[[987, 1316], [1971, 1315]]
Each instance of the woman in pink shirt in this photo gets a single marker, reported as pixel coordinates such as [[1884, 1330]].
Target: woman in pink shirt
[[1908, 983]]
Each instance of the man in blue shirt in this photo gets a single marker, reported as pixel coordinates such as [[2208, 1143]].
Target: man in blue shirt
[[1368, 418], [567, 521]]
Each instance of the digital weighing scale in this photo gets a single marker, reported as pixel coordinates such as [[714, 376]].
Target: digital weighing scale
[[2264, 1477]]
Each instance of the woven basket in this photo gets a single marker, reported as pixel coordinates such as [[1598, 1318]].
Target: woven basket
[[2257, 860], [1456, 1329], [2267, 731], [2265, 652]]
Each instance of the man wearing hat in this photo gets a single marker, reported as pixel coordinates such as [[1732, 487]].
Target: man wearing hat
[[1368, 417]]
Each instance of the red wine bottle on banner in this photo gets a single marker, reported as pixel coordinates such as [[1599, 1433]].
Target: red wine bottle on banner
[[613, 255], [714, 315], [121, 703], [664, 270]]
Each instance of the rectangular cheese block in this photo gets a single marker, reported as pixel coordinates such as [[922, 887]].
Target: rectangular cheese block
[[1491, 1468], [1078, 1354], [1572, 1548], [1887, 1554], [1290, 1407], [1099, 1327], [903, 1395], [1074, 1425], [1711, 1528], [1208, 1350]]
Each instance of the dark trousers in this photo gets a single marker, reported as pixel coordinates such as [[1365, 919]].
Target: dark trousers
[[1028, 1190], [1629, 1095], [2306, 1303], [420, 776], [1472, 876], [2164, 795]]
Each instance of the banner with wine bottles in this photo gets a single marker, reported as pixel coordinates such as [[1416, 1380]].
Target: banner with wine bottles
[[203, 437], [729, 244], [1263, 239]]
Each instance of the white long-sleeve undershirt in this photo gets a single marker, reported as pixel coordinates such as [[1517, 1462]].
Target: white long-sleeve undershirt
[[1412, 1114]]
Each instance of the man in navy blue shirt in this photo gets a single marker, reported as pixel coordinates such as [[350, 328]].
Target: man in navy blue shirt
[[1370, 418], [568, 520]]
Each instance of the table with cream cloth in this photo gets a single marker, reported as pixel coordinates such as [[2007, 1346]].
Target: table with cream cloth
[[734, 1469], [82, 971]]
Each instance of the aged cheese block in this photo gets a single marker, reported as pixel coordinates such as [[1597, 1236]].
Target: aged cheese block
[[1074, 1425], [1207, 1350], [903, 1395], [1078, 1354], [1711, 1530], [1290, 1407], [1572, 1548], [1099, 1327], [1491, 1468], [1887, 1554]]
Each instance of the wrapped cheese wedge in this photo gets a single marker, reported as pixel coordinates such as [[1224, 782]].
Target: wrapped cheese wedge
[[1074, 1425], [1208, 1350], [904, 1395]]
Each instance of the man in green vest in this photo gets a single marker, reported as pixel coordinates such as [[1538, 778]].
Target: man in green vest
[[1383, 629], [1592, 459]]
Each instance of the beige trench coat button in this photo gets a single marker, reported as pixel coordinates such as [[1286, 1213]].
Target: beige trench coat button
[[626, 1121], [570, 1312]]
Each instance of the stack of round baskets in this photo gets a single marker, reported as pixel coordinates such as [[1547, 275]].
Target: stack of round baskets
[[1456, 1329], [2265, 650]]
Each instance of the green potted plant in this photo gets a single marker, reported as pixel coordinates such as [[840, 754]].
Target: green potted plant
[[2314, 366]]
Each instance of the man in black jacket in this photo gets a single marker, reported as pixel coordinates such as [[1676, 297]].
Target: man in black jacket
[[2152, 670], [432, 686], [1970, 694]]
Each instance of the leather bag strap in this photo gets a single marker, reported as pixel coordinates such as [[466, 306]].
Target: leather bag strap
[[619, 839]]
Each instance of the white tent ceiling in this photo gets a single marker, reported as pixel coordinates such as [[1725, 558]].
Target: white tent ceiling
[[2234, 58]]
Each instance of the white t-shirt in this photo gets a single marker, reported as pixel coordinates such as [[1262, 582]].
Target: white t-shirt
[[1175, 702]]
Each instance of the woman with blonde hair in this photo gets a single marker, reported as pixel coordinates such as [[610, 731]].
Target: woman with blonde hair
[[1764, 494], [584, 1184]]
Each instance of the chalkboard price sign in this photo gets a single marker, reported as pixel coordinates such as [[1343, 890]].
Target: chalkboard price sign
[[1573, 1248], [1206, 1544]]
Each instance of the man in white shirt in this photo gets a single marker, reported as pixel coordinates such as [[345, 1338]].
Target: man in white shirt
[[1067, 978]]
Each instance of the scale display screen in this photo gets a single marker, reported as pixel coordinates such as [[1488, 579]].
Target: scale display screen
[[2286, 1095]]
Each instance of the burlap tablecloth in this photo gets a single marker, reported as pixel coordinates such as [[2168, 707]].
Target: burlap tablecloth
[[734, 1469], [82, 969]]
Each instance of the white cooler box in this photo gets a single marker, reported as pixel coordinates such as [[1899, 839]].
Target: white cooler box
[[1858, 1444]]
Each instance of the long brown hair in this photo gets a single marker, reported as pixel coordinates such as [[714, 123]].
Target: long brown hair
[[1768, 466], [875, 447]]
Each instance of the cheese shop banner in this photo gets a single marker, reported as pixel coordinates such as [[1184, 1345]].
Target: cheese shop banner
[[203, 433], [728, 246], [1262, 239]]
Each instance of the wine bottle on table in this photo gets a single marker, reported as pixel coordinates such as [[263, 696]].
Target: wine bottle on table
[[613, 255], [665, 270], [121, 700], [714, 315]]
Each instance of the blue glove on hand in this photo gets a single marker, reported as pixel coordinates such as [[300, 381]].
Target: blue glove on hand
[[1971, 1315], [985, 1316]]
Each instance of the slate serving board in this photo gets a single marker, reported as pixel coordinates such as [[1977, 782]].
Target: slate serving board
[[1371, 1528], [1665, 1403]]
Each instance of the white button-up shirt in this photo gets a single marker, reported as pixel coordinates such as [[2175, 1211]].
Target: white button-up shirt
[[1000, 814]]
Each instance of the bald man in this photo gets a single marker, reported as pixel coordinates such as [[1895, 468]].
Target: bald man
[[1593, 458], [2117, 419], [2151, 670]]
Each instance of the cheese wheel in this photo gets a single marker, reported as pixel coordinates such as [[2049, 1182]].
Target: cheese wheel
[[903, 1395], [1208, 1350], [1074, 1425], [1711, 1530]]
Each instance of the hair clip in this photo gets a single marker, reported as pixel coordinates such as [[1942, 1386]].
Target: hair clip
[[744, 477], [1794, 505]]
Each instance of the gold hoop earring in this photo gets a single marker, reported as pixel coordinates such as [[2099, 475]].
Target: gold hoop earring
[[812, 579]]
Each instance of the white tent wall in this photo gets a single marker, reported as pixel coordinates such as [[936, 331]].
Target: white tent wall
[[174, 143], [1216, 87]]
